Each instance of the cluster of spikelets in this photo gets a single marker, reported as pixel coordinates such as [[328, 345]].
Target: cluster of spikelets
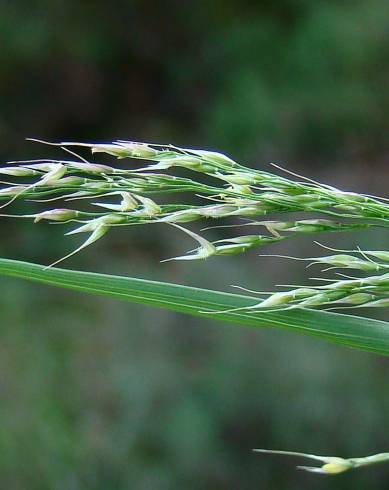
[[355, 292], [332, 465], [225, 191]]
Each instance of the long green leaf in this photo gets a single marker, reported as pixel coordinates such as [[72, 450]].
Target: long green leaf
[[353, 331]]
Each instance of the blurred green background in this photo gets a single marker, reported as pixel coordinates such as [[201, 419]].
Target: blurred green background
[[103, 395]]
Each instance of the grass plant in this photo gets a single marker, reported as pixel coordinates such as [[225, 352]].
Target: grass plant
[[184, 187]]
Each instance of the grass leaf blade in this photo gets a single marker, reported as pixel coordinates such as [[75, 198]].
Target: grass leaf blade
[[358, 332]]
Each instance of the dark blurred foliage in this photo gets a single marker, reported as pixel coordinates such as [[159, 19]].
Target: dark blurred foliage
[[106, 395]]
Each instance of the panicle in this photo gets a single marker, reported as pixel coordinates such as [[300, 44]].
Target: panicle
[[236, 191]]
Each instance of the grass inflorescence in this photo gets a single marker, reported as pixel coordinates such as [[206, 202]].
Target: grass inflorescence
[[113, 196], [100, 197]]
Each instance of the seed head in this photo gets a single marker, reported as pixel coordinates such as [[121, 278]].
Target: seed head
[[125, 150], [18, 171], [92, 225], [150, 208], [57, 171], [92, 168], [57, 215], [13, 191], [128, 202], [214, 157], [331, 465]]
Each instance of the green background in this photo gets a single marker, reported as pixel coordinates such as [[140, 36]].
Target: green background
[[103, 395]]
